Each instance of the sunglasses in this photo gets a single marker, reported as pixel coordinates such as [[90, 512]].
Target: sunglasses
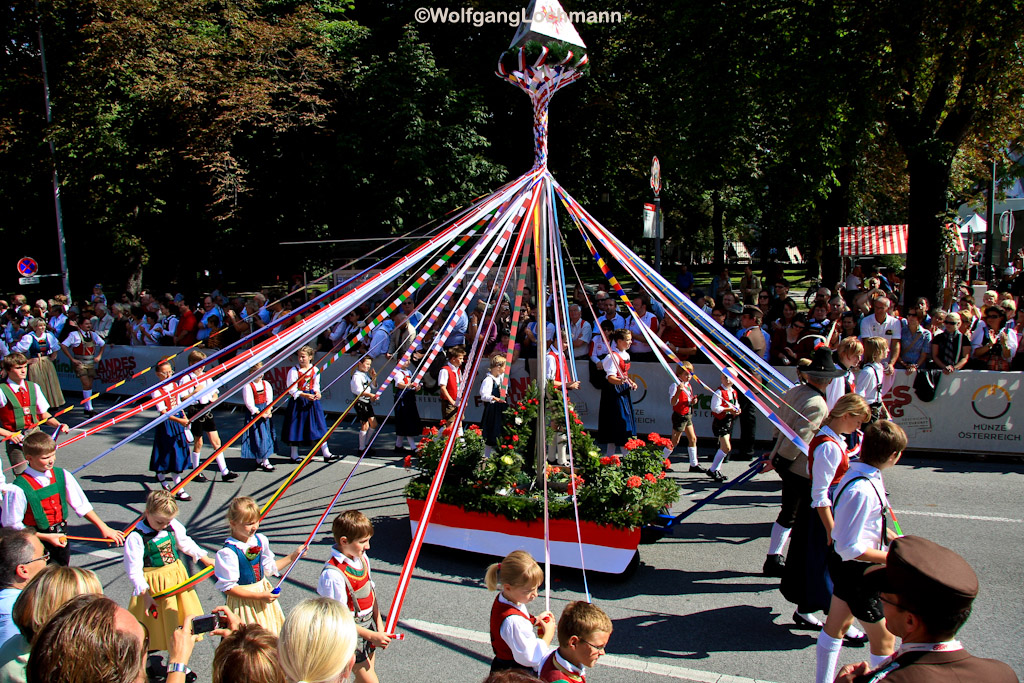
[[951, 322], [595, 647]]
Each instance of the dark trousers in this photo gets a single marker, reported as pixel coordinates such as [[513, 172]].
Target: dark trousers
[[748, 423], [796, 494]]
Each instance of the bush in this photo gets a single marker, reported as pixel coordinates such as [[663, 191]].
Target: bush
[[626, 490]]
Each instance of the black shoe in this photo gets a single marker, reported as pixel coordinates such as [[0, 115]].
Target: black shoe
[[333, 457], [399, 449], [716, 475], [370, 453], [774, 565], [91, 413], [799, 619], [697, 469], [265, 468], [230, 476], [201, 477]]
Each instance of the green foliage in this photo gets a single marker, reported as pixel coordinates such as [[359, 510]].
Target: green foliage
[[628, 490]]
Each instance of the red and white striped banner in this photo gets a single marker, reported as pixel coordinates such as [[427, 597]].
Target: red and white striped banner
[[872, 240]]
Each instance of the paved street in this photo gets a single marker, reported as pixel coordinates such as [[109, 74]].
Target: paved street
[[697, 609]]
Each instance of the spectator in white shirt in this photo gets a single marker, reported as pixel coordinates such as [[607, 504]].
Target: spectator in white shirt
[[881, 324]]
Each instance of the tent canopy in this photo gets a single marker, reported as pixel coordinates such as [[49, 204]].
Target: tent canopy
[[877, 240]]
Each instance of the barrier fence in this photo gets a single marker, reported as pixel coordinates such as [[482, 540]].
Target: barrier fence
[[973, 411]]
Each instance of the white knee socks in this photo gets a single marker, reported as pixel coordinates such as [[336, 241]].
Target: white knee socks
[[195, 460], [668, 451], [362, 440], [876, 660], [324, 450], [692, 452], [294, 453], [719, 457], [827, 657], [177, 478], [87, 395], [780, 535]]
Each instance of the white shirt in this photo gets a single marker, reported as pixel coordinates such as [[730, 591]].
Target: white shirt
[[618, 321], [332, 584], [41, 405], [853, 282], [521, 638], [170, 324], [249, 396], [718, 404], [837, 388], [649, 321], [442, 380], [225, 563], [581, 332], [869, 383], [889, 329], [582, 670], [487, 387], [135, 546], [827, 457], [613, 368], [599, 350], [102, 325], [857, 512], [342, 331], [199, 387], [361, 385], [15, 503], [293, 375], [52, 347], [981, 337]]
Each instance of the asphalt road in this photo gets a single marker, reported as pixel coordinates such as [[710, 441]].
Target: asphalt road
[[697, 608]]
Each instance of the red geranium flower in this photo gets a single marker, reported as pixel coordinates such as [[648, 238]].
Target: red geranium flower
[[661, 475], [634, 443], [515, 437], [616, 460], [408, 461], [444, 422], [605, 460], [667, 464], [426, 431], [634, 482], [650, 477]]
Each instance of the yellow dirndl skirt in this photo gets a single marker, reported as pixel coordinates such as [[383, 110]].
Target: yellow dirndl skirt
[[172, 612], [266, 614]]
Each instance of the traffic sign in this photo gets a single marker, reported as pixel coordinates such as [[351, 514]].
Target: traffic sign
[[656, 176], [30, 280], [27, 267]]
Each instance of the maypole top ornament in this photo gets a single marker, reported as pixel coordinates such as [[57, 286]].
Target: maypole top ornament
[[546, 55]]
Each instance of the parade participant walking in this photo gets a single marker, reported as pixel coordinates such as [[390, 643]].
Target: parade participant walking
[[869, 379], [346, 578], [583, 633], [243, 564], [408, 424], [40, 348], [860, 538], [514, 633], [804, 407], [22, 406], [927, 592], [363, 385], [204, 425], [152, 561], [617, 423], [259, 442], [449, 381], [724, 408], [806, 581], [491, 395], [170, 452], [304, 420], [683, 399]]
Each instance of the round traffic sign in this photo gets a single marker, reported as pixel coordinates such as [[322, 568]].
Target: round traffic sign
[[27, 267], [656, 176]]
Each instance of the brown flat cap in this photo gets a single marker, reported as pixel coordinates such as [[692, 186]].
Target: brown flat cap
[[754, 312], [926, 576]]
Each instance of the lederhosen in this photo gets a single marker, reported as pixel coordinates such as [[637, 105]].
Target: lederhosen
[[503, 657], [364, 408], [46, 510], [722, 426], [876, 405], [681, 417], [206, 422], [848, 575], [361, 599]]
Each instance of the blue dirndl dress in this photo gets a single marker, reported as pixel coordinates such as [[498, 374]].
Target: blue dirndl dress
[[617, 422], [170, 447], [304, 421], [259, 441]]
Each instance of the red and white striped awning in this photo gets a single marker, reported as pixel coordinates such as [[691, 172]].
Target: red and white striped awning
[[878, 240]]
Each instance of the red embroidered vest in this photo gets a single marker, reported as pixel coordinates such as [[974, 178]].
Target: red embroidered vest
[[561, 371], [453, 381], [683, 399], [499, 612], [259, 395], [48, 500], [15, 418], [844, 464], [167, 399], [728, 401], [360, 588]]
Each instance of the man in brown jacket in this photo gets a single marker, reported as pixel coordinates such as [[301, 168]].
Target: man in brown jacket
[[927, 592]]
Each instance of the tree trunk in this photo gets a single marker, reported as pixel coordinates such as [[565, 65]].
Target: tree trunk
[[929, 178], [718, 230], [835, 214]]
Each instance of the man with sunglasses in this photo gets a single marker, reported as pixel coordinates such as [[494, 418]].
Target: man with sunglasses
[[21, 557]]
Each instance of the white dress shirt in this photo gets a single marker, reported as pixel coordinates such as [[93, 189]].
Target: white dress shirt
[[520, 636], [225, 563], [858, 512], [827, 457], [889, 329], [331, 583], [487, 388], [41, 405], [135, 547], [869, 383]]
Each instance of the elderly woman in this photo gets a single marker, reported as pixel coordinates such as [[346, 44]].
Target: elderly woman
[[993, 345]]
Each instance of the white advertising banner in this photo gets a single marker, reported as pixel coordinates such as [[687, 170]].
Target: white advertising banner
[[973, 411]]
